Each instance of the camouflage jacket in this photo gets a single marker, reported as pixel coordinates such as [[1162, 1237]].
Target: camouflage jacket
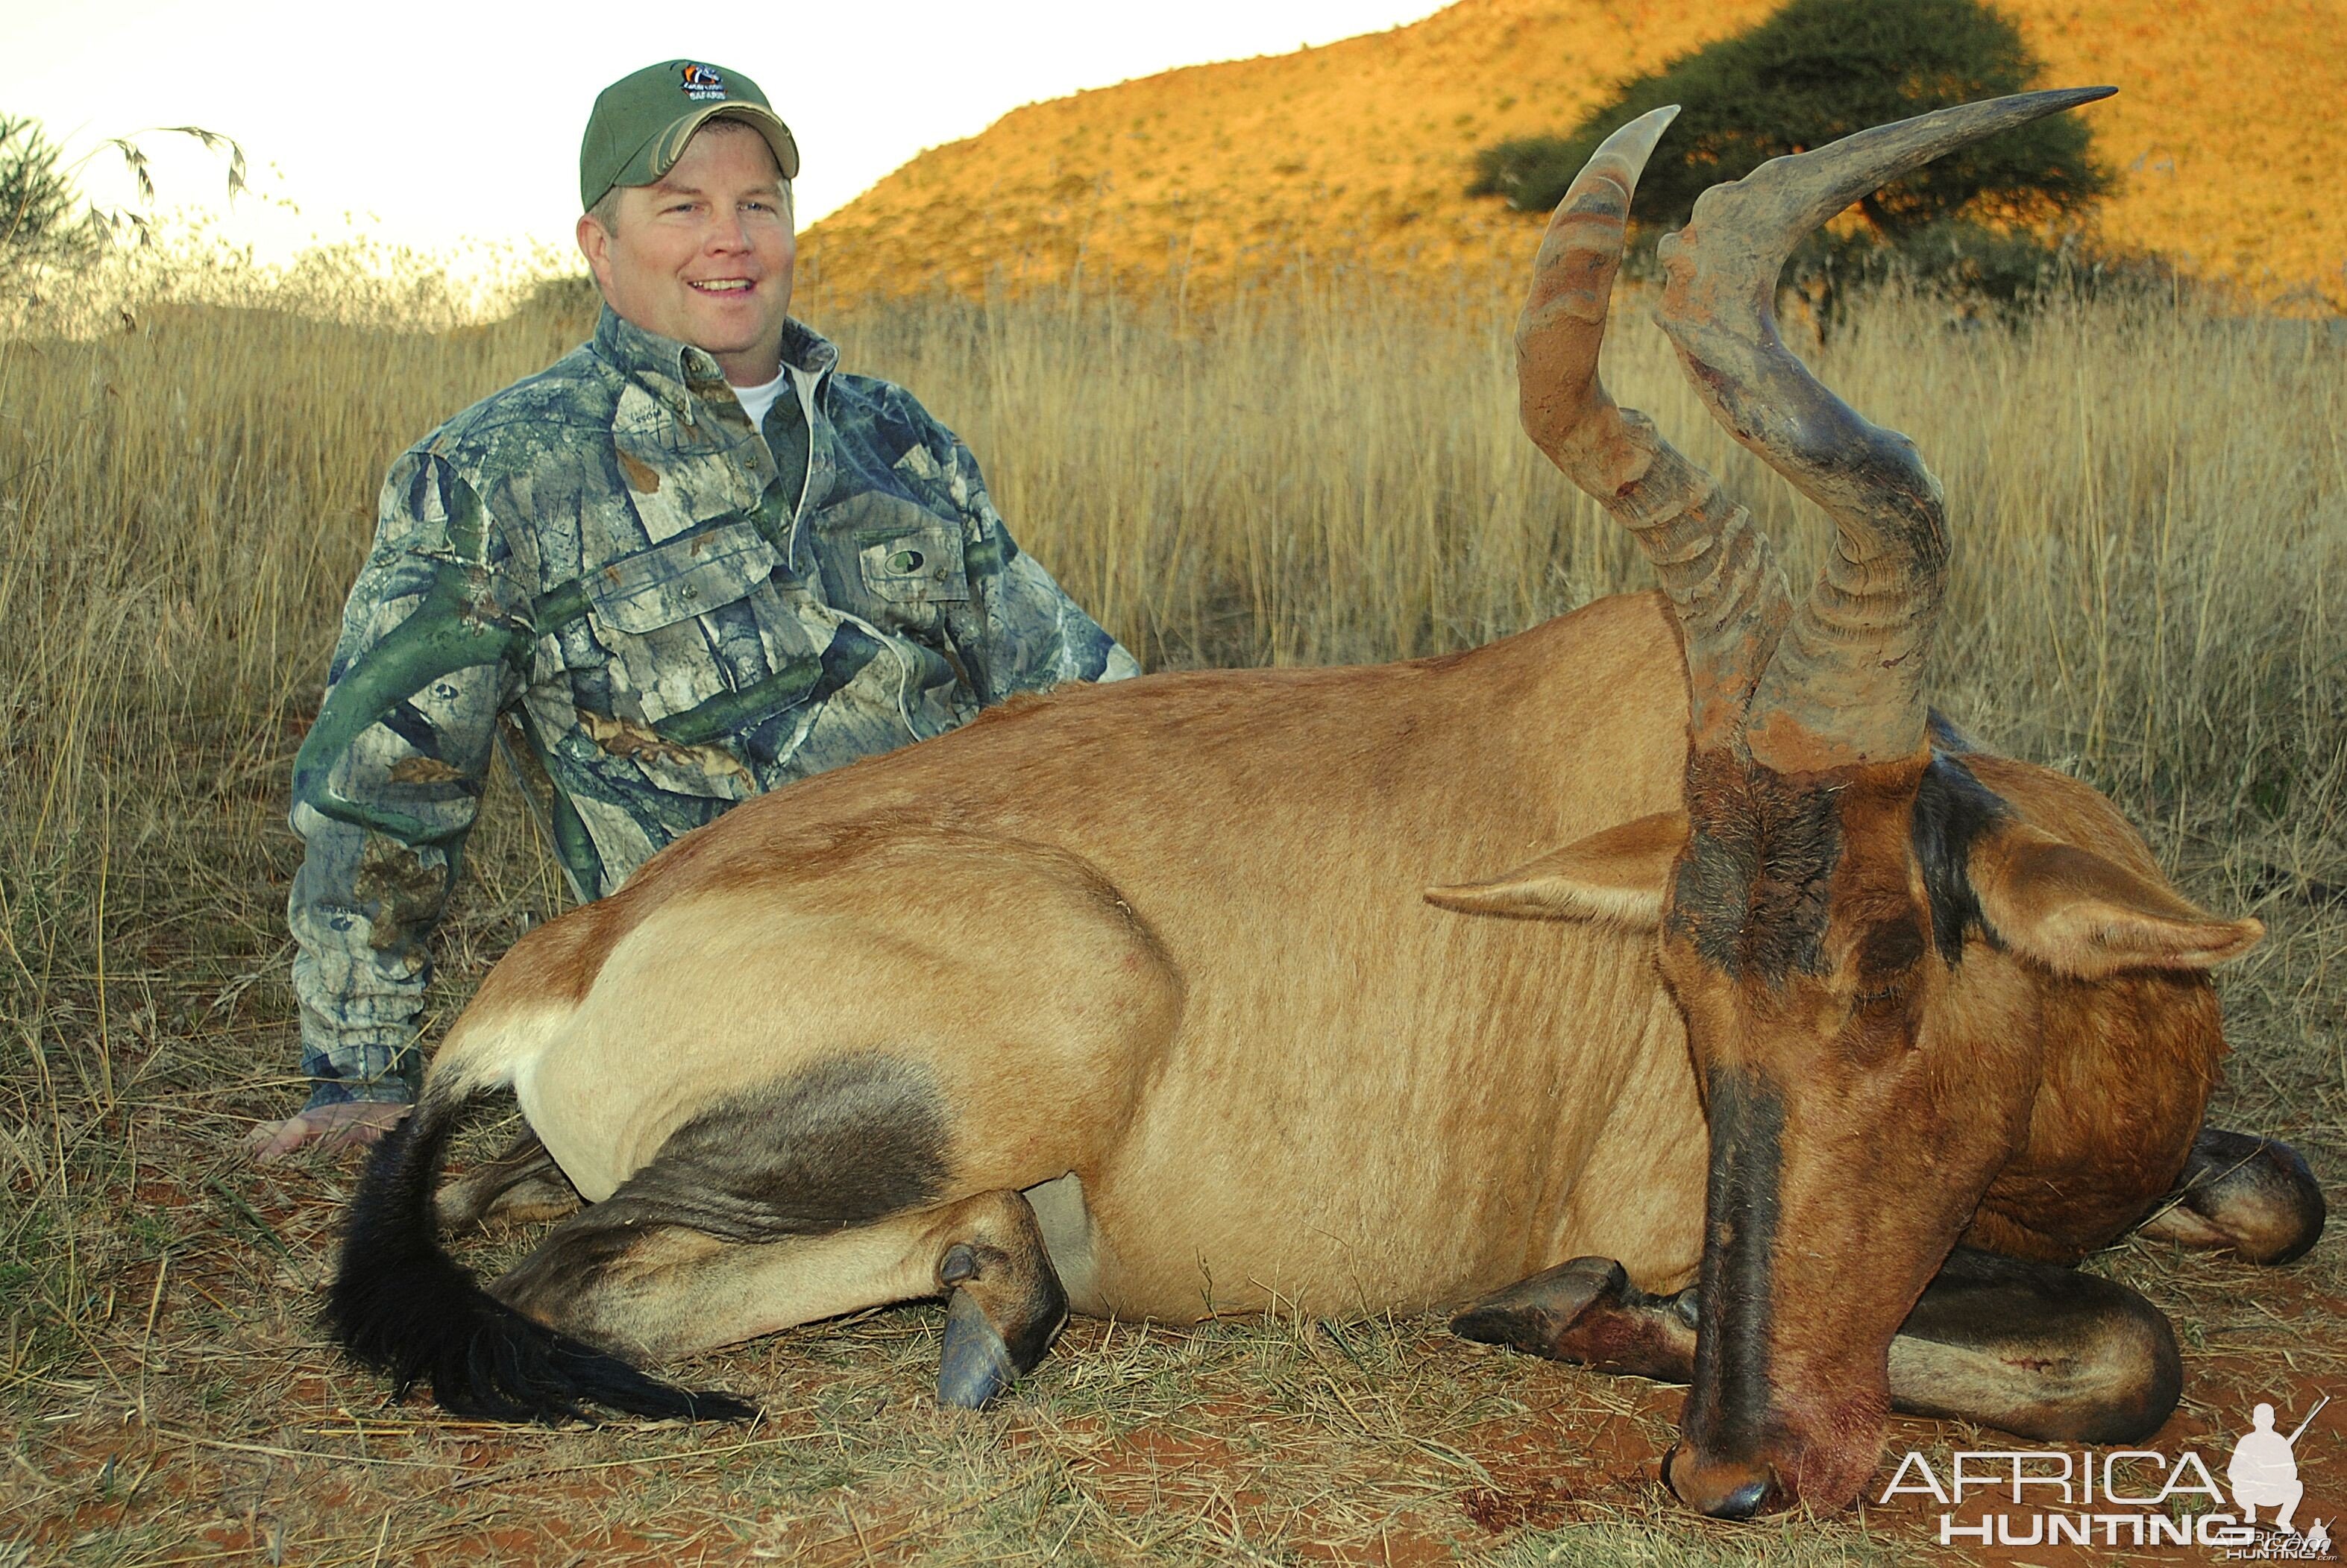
[[604, 569]]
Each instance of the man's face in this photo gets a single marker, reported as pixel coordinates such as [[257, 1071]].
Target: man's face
[[705, 255]]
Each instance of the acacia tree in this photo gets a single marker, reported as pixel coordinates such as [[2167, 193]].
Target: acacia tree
[[1812, 73], [37, 198]]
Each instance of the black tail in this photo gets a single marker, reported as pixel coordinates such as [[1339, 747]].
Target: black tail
[[402, 1306]]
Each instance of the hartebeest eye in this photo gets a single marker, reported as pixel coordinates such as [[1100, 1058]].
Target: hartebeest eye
[[1889, 949], [1886, 960]]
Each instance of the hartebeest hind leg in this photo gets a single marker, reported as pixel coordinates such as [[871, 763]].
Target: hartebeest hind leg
[[2031, 1348], [2249, 1195], [521, 1186], [631, 1275]]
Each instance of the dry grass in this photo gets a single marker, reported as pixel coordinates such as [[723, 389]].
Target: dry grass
[[2151, 505]]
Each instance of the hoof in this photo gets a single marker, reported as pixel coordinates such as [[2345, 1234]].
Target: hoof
[[2252, 1196], [1005, 1305], [1588, 1312], [977, 1364], [1537, 1316]]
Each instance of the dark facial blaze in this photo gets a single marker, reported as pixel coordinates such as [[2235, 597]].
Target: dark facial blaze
[[1741, 1215], [1812, 922], [1754, 892]]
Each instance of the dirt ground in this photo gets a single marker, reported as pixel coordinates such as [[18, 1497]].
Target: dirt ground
[[208, 1422]]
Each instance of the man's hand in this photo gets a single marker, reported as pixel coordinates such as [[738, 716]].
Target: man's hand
[[353, 1124]]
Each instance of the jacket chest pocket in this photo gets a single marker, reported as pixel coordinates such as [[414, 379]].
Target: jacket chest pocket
[[893, 562], [657, 588], [916, 565]]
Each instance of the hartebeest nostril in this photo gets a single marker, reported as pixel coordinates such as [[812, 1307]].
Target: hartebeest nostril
[[1743, 1502], [1721, 1489]]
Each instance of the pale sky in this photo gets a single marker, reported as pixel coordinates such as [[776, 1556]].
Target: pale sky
[[443, 124]]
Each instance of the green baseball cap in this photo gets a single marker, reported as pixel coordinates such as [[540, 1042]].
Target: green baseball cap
[[642, 121]]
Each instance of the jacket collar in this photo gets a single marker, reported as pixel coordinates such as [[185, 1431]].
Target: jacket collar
[[677, 371]]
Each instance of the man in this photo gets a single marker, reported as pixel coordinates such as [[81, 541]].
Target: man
[[691, 562]]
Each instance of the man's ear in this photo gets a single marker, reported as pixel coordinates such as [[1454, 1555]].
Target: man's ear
[[1617, 875], [2081, 915], [594, 243]]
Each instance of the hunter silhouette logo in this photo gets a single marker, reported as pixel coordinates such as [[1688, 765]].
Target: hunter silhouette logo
[[2263, 1470], [701, 82]]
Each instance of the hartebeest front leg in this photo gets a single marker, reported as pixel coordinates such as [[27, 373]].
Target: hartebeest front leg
[[2035, 1349], [2031, 1348], [2248, 1196]]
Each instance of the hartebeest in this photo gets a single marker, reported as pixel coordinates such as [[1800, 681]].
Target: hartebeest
[[1127, 999]]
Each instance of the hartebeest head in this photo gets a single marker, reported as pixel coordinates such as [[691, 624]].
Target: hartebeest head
[[1877, 956]]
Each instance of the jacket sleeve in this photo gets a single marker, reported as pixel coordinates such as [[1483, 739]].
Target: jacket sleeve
[[1030, 635], [389, 781]]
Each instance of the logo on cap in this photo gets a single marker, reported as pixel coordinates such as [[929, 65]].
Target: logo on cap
[[701, 83]]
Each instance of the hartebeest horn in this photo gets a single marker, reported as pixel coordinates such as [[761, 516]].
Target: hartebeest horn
[[1714, 563], [1846, 682]]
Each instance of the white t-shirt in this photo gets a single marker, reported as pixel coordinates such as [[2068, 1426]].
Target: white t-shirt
[[756, 400]]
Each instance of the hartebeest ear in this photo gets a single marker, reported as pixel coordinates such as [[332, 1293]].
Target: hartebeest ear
[[1617, 875], [2079, 914]]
